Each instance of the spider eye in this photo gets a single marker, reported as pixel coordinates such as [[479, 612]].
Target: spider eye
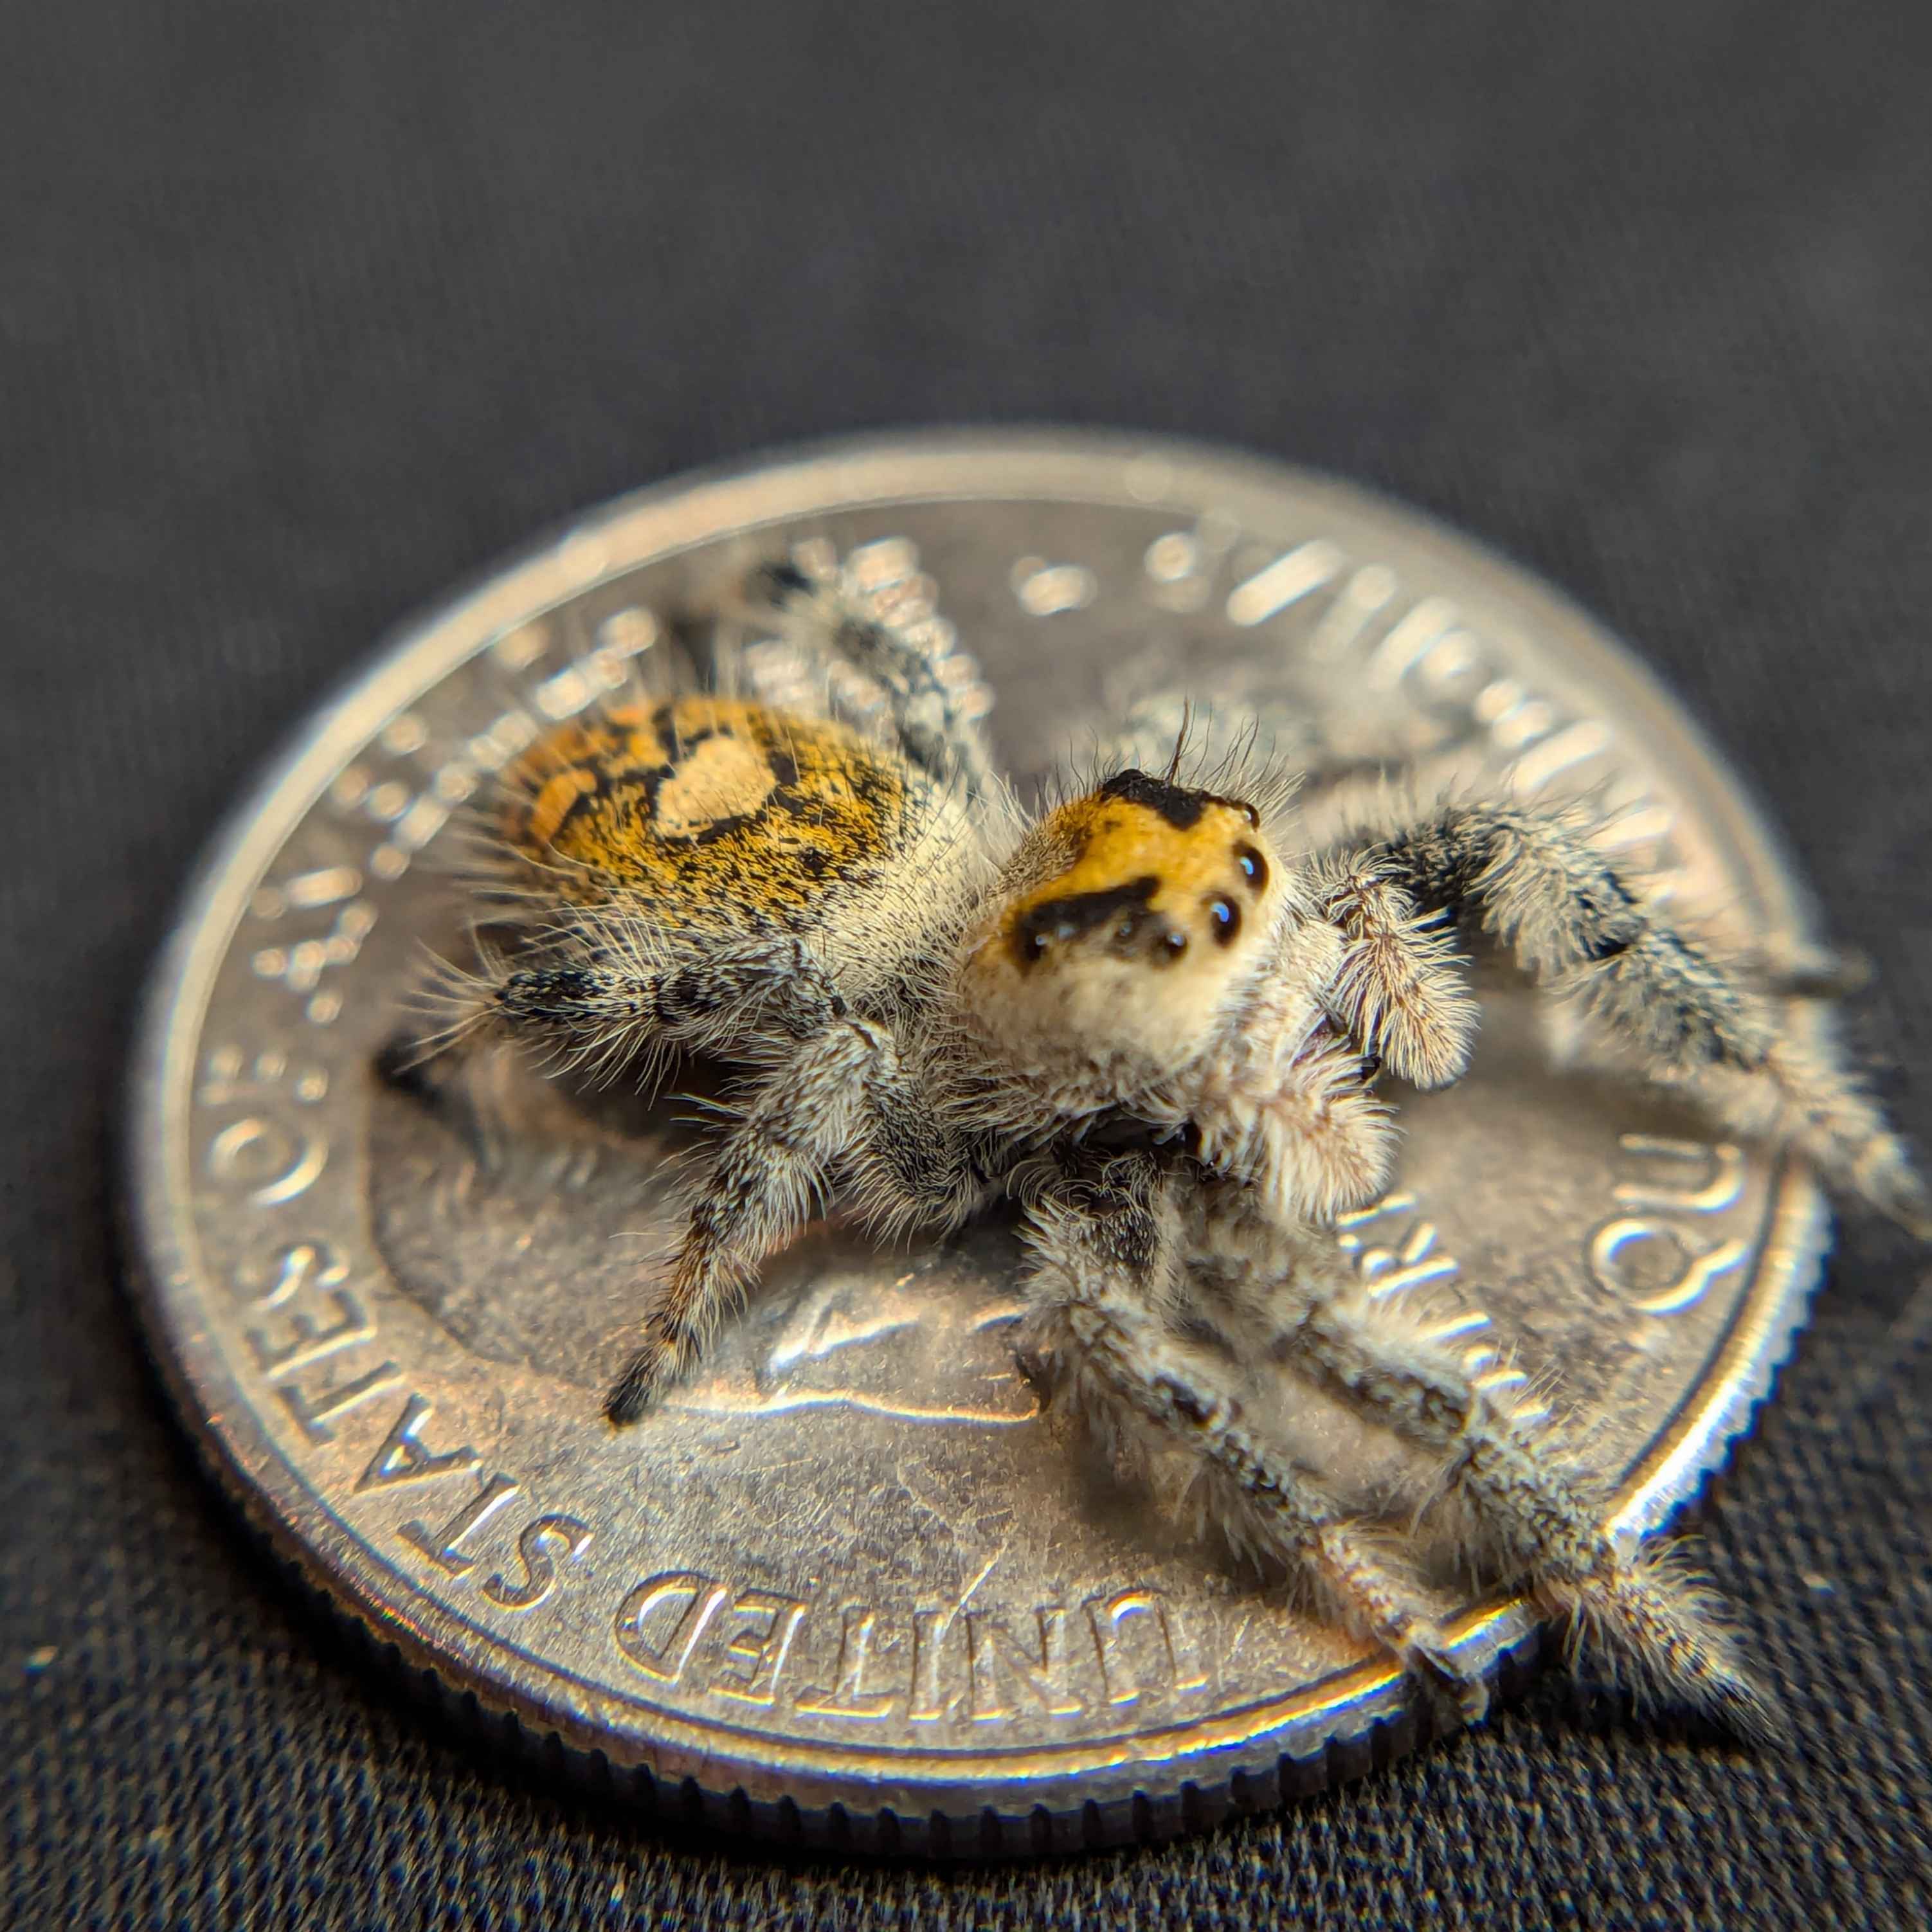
[[1176, 943], [1227, 917], [1254, 867]]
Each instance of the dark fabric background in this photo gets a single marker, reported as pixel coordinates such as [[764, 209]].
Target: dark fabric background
[[305, 313]]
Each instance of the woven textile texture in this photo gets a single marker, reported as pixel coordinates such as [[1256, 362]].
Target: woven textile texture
[[306, 313]]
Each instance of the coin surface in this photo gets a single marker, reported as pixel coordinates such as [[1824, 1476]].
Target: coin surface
[[849, 1583]]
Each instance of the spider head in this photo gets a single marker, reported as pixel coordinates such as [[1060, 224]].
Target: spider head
[[1139, 912]]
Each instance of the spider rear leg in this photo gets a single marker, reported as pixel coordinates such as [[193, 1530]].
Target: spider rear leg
[[598, 1011], [1578, 923], [598, 1015], [1104, 1292], [842, 1099], [932, 693], [1648, 1609]]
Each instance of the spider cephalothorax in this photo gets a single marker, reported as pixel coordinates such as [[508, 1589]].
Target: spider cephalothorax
[[1139, 913], [1150, 1018], [1151, 950]]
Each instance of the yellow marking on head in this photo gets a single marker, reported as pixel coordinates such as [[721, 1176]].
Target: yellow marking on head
[[1118, 842], [1172, 869], [1156, 906]]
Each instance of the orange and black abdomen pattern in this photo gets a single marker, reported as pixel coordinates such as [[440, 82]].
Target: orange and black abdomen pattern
[[704, 814]]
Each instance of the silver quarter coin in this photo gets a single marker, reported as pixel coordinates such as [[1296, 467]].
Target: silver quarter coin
[[849, 1583]]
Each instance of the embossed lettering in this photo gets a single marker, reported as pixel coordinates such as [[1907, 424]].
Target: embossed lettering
[[267, 1162], [1450, 670], [1137, 1608], [305, 891], [543, 1544], [1179, 570], [291, 1269], [1718, 1183], [439, 1545], [1648, 1261], [1046, 588], [301, 1275], [1410, 1263], [306, 1341], [755, 1653], [1408, 640], [403, 1457], [315, 1410], [1285, 581], [230, 1079], [316, 1316], [659, 1623], [1406, 1257], [1357, 603], [262, 1157], [1557, 754], [1689, 1271], [929, 1628], [848, 1697], [997, 1660], [299, 963]]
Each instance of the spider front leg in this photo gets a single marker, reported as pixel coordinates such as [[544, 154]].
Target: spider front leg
[[1647, 1608], [843, 1100], [1106, 1289], [1578, 923], [1398, 992]]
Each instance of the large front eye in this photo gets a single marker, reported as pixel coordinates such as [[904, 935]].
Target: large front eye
[[1227, 917], [1254, 867]]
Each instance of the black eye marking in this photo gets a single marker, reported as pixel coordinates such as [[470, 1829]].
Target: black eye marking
[[1227, 917], [1254, 867], [1039, 926], [1181, 809]]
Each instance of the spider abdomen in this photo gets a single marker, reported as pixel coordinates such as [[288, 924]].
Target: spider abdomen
[[700, 812]]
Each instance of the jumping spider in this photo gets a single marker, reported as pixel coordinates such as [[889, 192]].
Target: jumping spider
[[1150, 1020]]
